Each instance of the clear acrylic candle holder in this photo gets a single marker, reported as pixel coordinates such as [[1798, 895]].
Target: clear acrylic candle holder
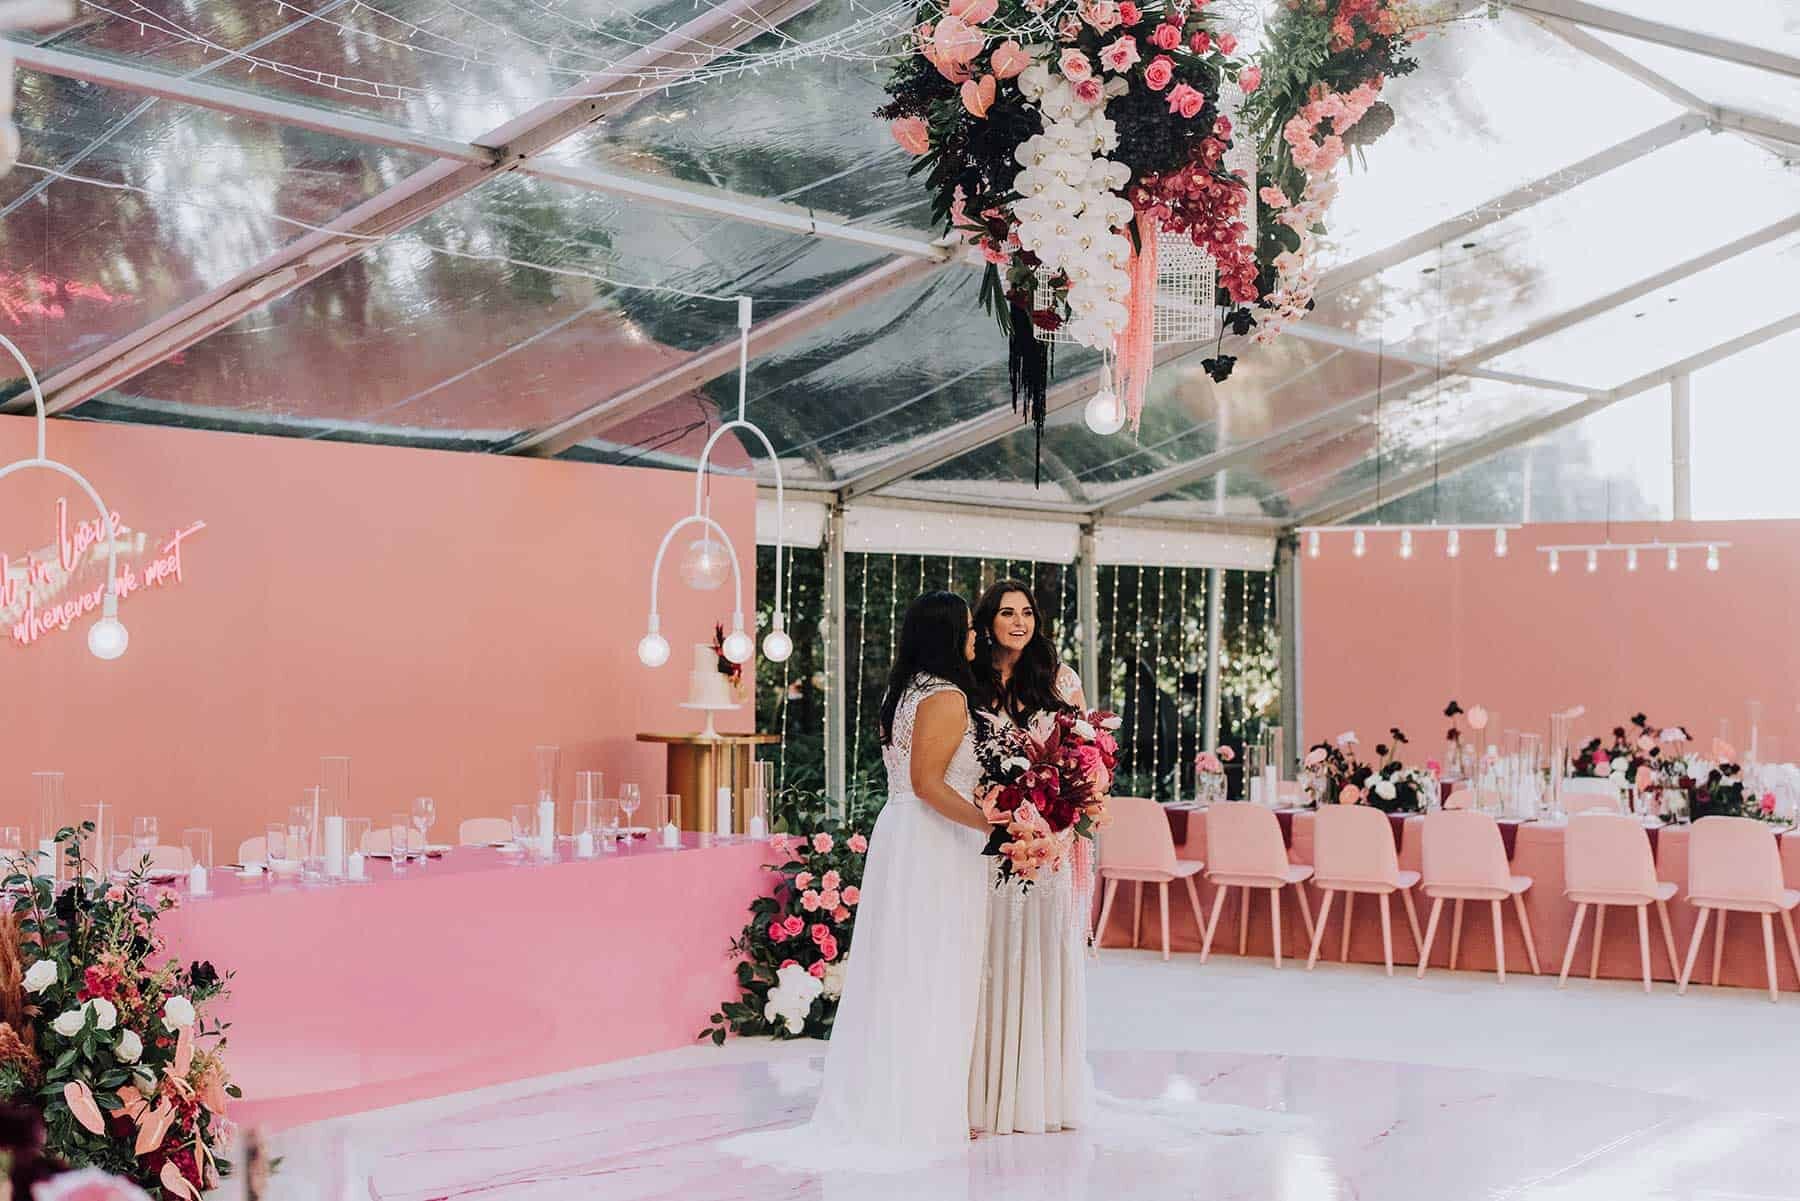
[[334, 786], [608, 818], [48, 818], [524, 825], [356, 835], [197, 841], [102, 817], [123, 857], [547, 762]]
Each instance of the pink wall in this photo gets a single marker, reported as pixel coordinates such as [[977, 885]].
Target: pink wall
[[432, 615], [1388, 642]]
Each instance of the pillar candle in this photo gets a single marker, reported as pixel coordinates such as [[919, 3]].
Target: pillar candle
[[547, 828], [355, 867], [722, 820], [758, 827], [334, 847], [671, 836], [584, 844], [197, 881]]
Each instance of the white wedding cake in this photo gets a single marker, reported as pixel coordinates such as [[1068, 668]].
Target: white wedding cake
[[707, 686]]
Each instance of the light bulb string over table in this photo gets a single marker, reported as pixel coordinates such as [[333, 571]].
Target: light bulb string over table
[[107, 638], [653, 648]]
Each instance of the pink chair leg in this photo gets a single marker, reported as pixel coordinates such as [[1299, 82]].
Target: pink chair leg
[[1319, 929], [1562, 981], [1137, 913], [1644, 943], [1275, 921], [1112, 890], [1412, 919], [1212, 921], [1244, 921], [1387, 935], [1768, 925], [1305, 908], [1787, 923], [1194, 902], [1437, 905], [1719, 947], [1687, 969], [1499, 941], [1668, 933], [1599, 934], [1530, 939], [1163, 889], [1456, 933], [1344, 942]]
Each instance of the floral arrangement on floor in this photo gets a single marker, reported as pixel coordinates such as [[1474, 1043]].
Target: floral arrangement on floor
[[1209, 774], [794, 950], [1335, 774], [106, 1037], [1045, 793]]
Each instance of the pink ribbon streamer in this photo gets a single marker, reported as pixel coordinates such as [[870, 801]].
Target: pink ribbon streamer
[[1135, 347]]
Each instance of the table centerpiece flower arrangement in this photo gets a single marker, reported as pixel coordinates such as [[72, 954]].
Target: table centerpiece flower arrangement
[[1209, 774], [113, 1043], [1337, 775]]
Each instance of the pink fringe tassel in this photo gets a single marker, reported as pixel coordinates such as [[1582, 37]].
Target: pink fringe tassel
[[1084, 886], [1135, 348]]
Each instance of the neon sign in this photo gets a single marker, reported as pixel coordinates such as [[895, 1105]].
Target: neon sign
[[38, 594]]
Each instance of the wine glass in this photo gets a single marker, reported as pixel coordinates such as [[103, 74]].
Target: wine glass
[[424, 815], [629, 801]]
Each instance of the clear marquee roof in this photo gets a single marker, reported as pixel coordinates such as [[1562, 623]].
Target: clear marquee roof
[[289, 216]]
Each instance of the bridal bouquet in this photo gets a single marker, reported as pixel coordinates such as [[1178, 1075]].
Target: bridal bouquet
[[1037, 789], [105, 1037]]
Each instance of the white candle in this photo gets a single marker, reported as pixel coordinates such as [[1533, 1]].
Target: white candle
[[547, 828], [47, 857], [671, 836], [758, 827], [584, 844], [334, 847], [722, 812], [355, 865], [197, 881], [1272, 784]]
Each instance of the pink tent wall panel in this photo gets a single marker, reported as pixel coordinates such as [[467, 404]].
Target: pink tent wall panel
[[432, 615], [1388, 642]]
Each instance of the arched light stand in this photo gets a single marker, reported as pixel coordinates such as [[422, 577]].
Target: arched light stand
[[653, 648], [107, 638]]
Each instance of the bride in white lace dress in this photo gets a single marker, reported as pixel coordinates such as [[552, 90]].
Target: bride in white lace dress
[[895, 1093], [1030, 1073]]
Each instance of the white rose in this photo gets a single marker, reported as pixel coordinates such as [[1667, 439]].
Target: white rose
[[792, 997], [106, 1013], [41, 976], [1385, 789], [178, 1012], [834, 978], [69, 1023], [1083, 730], [1112, 723], [130, 1047]]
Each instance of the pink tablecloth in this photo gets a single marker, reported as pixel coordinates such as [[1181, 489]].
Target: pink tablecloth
[[1537, 852], [468, 972]]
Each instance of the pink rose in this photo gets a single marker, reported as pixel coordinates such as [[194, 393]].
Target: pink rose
[[1350, 794], [1249, 79], [803, 880], [789, 963], [115, 894], [1228, 43], [858, 844], [1208, 763], [1433, 766], [828, 947], [820, 932], [1070, 29], [1009, 59], [1120, 55], [817, 970], [1226, 754], [840, 914], [777, 932], [978, 95], [1089, 91], [1201, 42], [1075, 66], [1160, 72], [1315, 756], [832, 880], [1101, 14], [830, 899], [852, 895], [793, 925], [1186, 101], [809, 901], [821, 843], [973, 11], [1129, 13], [1166, 36], [912, 135], [1601, 758], [1768, 802]]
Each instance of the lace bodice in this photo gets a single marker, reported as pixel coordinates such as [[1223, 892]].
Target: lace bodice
[[963, 773], [1068, 687]]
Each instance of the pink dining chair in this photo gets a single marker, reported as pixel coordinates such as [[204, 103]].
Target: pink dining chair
[[1589, 794], [1462, 798], [484, 831], [253, 850], [1465, 860], [1139, 847], [1607, 861], [1353, 851], [1734, 865], [162, 860], [1244, 850]]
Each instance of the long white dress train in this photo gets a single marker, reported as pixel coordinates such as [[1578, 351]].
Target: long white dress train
[[1030, 1073], [895, 1091]]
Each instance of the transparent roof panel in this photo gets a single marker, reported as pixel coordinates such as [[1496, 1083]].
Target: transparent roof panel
[[1732, 84], [1470, 129], [1670, 324], [1774, 24], [500, 313], [1745, 430], [1621, 227], [168, 201], [458, 70]]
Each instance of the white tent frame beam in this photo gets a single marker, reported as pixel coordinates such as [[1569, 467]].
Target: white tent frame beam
[[1417, 480], [1640, 29], [724, 27]]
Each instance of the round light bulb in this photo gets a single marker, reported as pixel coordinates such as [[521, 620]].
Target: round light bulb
[[1631, 559], [1593, 561], [1674, 558], [1104, 413], [107, 638], [1555, 563], [1312, 544], [738, 646], [1359, 545], [705, 564], [653, 650], [1500, 544], [1406, 544], [777, 646], [1712, 558], [1453, 544]]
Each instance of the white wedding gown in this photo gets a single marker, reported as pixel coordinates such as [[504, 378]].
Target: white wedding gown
[[1030, 1073], [896, 1081]]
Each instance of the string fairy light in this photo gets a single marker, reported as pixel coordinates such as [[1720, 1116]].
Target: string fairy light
[[1181, 656], [862, 611], [1156, 690]]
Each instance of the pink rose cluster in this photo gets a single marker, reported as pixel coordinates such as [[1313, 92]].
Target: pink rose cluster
[[1317, 153]]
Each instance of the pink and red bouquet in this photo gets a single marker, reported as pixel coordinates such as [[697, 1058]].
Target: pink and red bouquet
[[1043, 793]]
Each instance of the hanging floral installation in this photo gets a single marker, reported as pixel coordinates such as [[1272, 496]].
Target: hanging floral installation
[[1063, 140]]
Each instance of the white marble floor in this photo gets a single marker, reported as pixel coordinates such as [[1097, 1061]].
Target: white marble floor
[[1283, 1087]]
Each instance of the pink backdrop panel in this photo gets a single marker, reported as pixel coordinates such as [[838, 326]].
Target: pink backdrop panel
[[1388, 642], [432, 615]]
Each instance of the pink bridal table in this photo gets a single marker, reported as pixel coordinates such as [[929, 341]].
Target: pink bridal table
[[1536, 850], [470, 971]]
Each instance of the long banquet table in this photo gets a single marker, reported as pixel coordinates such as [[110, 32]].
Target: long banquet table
[[1536, 850], [469, 971]]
